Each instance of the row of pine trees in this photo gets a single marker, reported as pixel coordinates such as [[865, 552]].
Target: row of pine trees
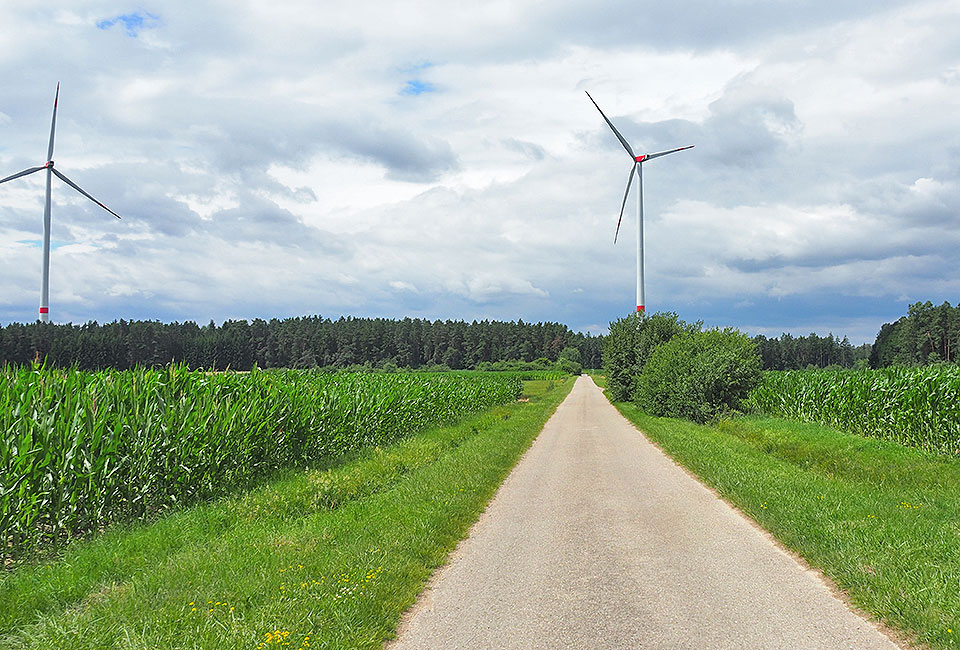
[[927, 334], [293, 343]]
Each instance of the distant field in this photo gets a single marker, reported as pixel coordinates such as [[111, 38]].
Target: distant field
[[918, 407], [80, 450]]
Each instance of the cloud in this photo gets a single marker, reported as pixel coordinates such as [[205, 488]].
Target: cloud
[[258, 180], [530, 150]]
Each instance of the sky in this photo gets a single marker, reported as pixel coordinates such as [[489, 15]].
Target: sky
[[440, 159]]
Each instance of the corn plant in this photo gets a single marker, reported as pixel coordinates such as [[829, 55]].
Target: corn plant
[[80, 450], [919, 407]]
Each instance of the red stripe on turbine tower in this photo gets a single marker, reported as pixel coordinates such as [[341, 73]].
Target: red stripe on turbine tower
[[44, 310], [639, 308]]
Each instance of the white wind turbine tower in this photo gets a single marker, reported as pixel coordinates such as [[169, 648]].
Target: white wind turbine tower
[[45, 276], [635, 167]]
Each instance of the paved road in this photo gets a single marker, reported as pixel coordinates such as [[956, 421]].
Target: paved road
[[597, 540]]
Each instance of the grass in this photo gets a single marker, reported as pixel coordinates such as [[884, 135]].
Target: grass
[[880, 519], [320, 559]]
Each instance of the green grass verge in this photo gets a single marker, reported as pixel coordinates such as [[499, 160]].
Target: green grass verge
[[322, 559], [881, 520]]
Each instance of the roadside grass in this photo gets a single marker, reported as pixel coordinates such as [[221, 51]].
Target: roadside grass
[[881, 520], [319, 559]]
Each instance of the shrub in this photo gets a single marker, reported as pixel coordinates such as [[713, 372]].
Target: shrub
[[698, 375], [629, 345], [570, 367]]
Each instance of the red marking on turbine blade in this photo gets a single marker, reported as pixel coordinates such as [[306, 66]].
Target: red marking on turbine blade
[[640, 158], [44, 310], [639, 308]]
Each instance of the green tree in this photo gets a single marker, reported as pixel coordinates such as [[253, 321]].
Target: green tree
[[630, 343]]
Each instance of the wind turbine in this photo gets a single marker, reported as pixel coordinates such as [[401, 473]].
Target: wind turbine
[[45, 277], [636, 166]]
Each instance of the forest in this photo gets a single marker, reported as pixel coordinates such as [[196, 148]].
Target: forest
[[788, 352], [927, 334], [307, 342]]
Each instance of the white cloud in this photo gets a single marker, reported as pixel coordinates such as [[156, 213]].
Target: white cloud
[[267, 162]]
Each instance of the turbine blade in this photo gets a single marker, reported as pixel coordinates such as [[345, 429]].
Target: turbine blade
[[633, 168], [77, 188], [53, 123], [625, 144], [23, 173], [664, 153]]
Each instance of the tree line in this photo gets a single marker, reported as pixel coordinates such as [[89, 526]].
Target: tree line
[[927, 334], [306, 342], [788, 352]]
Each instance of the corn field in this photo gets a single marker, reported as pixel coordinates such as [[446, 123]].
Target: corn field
[[919, 407], [79, 450]]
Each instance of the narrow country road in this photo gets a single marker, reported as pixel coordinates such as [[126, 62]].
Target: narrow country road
[[597, 540]]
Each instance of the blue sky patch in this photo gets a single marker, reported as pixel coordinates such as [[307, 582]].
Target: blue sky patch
[[417, 87], [132, 23]]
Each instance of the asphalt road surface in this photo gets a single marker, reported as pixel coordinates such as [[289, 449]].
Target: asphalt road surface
[[598, 540]]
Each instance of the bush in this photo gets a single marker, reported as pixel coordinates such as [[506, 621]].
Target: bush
[[537, 365], [570, 367], [629, 345], [699, 375]]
